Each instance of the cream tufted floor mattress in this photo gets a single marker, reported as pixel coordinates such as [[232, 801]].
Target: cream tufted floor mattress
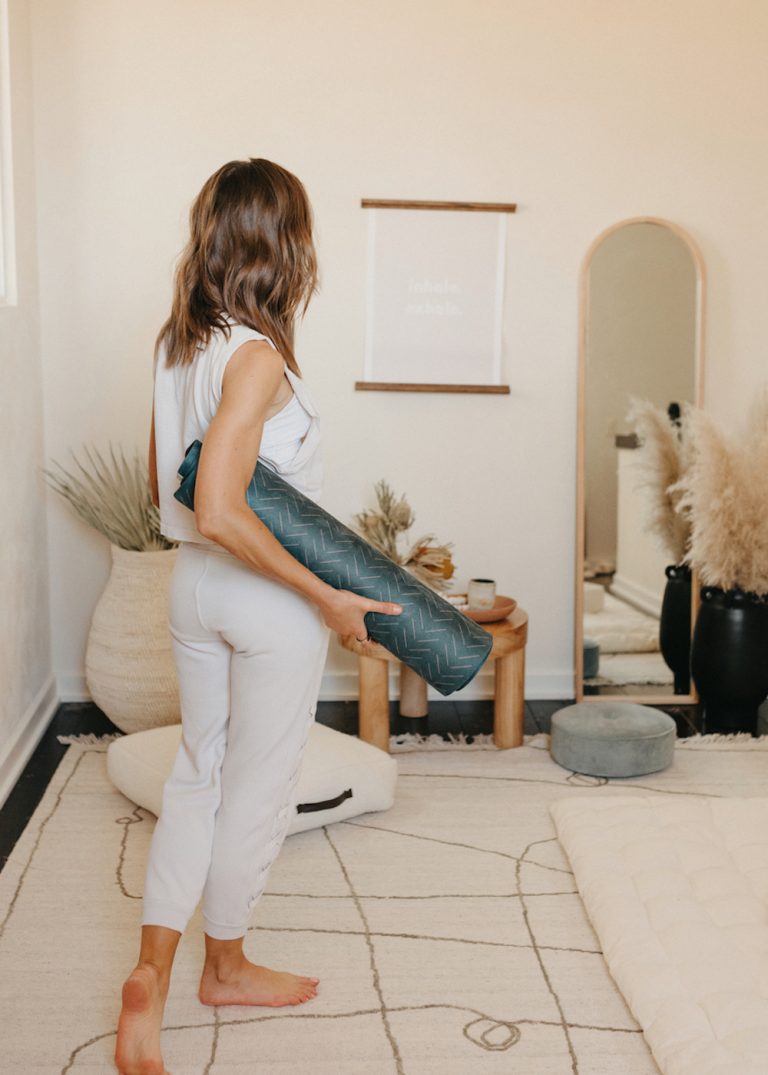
[[677, 892], [621, 628]]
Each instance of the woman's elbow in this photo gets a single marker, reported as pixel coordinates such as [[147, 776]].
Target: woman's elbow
[[208, 526], [216, 514], [209, 522]]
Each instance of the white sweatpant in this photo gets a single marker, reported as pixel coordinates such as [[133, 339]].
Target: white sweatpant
[[250, 653]]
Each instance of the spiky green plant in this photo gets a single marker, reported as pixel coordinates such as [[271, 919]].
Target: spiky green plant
[[113, 496]]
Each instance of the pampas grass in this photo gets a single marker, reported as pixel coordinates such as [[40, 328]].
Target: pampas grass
[[661, 460], [381, 528], [429, 561], [724, 491], [113, 496]]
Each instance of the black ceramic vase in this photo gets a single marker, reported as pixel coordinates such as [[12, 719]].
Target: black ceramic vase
[[675, 625], [729, 659]]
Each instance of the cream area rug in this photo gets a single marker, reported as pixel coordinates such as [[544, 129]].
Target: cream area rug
[[448, 933], [678, 894]]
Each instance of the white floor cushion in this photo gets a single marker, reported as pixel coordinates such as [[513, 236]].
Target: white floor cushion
[[677, 892], [620, 628], [340, 777], [594, 597]]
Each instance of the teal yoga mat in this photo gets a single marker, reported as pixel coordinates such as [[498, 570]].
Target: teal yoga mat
[[436, 640]]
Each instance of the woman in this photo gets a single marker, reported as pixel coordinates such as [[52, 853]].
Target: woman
[[250, 625]]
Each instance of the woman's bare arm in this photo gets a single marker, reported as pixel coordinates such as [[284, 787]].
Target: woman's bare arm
[[227, 461]]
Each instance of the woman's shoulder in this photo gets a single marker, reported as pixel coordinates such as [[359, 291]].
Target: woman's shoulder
[[241, 338], [228, 342], [211, 358], [237, 333]]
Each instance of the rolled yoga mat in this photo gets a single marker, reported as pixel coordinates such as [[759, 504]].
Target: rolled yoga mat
[[436, 640]]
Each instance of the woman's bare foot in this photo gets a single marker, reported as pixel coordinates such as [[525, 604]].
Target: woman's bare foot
[[241, 982], [137, 1051]]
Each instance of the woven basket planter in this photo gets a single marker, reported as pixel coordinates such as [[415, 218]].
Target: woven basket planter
[[129, 666]]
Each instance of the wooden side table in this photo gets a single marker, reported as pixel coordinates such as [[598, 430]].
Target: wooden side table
[[509, 638]]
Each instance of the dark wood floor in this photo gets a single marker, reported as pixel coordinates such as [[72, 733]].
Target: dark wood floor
[[445, 718]]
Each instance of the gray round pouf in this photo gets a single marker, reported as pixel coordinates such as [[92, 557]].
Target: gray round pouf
[[612, 739]]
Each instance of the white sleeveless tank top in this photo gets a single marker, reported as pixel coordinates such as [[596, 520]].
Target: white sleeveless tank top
[[185, 401]]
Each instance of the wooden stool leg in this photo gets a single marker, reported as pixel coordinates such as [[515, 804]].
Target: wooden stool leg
[[509, 703], [413, 693], [373, 703]]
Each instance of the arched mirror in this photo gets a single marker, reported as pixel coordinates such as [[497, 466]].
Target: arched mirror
[[640, 336]]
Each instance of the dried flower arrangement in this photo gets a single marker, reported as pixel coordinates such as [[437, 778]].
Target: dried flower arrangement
[[708, 492], [431, 563], [724, 492], [661, 460], [114, 497]]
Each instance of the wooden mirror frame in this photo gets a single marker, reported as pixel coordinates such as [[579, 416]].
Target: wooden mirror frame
[[648, 699]]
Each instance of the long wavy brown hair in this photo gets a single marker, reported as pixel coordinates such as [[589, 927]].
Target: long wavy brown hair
[[250, 256]]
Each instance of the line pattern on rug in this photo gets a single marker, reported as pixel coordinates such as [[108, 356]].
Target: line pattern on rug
[[483, 1030], [372, 952]]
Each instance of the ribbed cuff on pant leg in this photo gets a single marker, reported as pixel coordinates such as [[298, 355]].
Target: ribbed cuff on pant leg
[[159, 913], [223, 933]]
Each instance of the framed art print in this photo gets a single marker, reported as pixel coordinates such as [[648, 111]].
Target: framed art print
[[435, 293]]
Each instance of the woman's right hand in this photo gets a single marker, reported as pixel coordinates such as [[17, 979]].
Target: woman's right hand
[[344, 612]]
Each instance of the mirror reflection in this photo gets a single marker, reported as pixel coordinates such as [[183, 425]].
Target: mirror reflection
[[640, 343]]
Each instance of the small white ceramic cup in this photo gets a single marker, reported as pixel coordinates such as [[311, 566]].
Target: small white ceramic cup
[[481, 593]]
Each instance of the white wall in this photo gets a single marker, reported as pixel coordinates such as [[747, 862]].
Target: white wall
[[27, 696], [582, 113]]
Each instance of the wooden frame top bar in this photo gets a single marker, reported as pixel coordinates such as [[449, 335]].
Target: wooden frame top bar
[[473, 207], [402, 386]]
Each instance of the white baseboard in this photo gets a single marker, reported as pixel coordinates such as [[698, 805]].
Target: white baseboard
[[550, 686], [72, 688], [342, 687], [631, 592], [26, 736]]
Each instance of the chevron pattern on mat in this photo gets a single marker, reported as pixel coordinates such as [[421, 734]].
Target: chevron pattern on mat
[[440, 643]]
